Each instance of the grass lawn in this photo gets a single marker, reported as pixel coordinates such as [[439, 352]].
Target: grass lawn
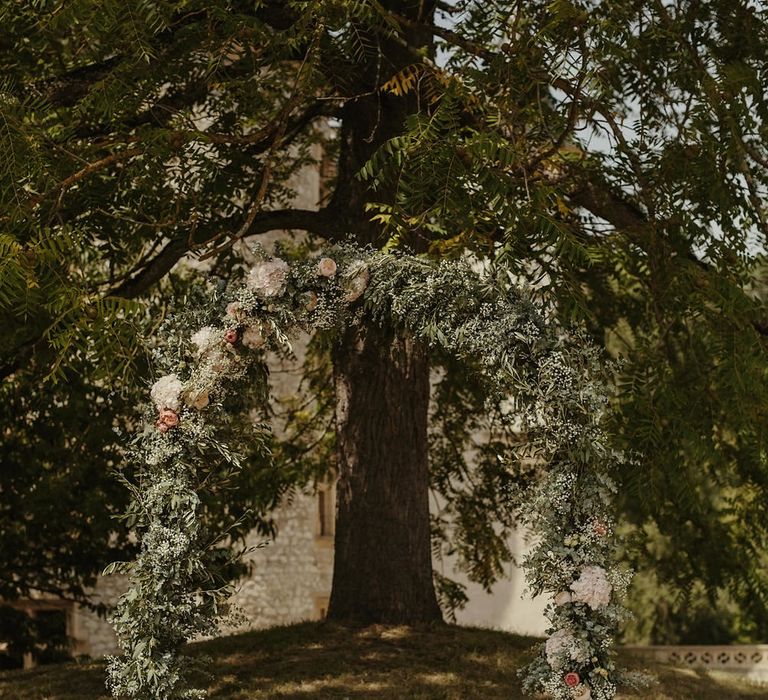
[[320, 660]]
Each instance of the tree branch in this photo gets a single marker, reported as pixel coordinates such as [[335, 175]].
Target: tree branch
[[598, 199], [322, 223]]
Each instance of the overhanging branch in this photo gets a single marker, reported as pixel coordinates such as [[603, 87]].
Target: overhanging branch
[[323, 223]]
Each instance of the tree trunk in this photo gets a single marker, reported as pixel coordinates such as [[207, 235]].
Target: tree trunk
[[383, 564]]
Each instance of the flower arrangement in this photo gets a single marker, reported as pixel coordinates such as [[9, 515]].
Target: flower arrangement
[[558, 383]]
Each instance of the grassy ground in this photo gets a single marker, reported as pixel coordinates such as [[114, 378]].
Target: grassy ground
[[315, 660]]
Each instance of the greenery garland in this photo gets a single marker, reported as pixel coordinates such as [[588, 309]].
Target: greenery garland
[[549, 384]]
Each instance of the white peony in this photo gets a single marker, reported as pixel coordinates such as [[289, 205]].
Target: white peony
[[166, 392], [558, 646], [592, 587], [359, 275], [253, 337], [268, 278], [326, 267], [204, 339]]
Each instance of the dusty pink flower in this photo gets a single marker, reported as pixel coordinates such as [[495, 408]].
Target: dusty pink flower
[[235, 310], [169, 418], [600, 528], [198, 399], [310, 301], [572, 679], [326, 267], [563, 598], [253, 338], [162, 427], [231, 336]]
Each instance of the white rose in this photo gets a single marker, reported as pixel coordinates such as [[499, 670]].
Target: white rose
[[166, 391], [235, 310], [592, 587], [268, 278], [326, 267]]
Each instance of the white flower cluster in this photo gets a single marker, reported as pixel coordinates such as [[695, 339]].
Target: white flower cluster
[[563, 647], [205, 339], [592, 587], [166, 392], [267, 278]]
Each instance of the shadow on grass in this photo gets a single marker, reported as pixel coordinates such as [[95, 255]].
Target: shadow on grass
[[55, 682], [330, 661], [324, 661]]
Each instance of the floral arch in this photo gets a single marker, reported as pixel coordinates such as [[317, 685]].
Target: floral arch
[[551, 381]]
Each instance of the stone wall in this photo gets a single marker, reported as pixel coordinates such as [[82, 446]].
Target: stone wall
[[291, 576]]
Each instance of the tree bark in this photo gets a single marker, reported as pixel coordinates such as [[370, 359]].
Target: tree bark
[[383, 564]]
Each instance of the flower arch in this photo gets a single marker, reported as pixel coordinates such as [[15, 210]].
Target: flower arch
[[552, 383]]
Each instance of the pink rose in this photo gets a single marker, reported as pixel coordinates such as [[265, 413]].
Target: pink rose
[[231, 336], [326, 267], [162, 427], [563, 598], [169, 418], [572, 679]]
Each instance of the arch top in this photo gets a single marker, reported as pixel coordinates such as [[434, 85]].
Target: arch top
[[550, 381]]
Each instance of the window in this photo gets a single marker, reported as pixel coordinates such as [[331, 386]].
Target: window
[[321, 607], [326, 510], [35, 631]]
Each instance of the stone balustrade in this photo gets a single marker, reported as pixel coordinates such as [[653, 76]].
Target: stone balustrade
[[750, 661]]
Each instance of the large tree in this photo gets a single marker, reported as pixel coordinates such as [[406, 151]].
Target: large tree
[[611, 153]]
